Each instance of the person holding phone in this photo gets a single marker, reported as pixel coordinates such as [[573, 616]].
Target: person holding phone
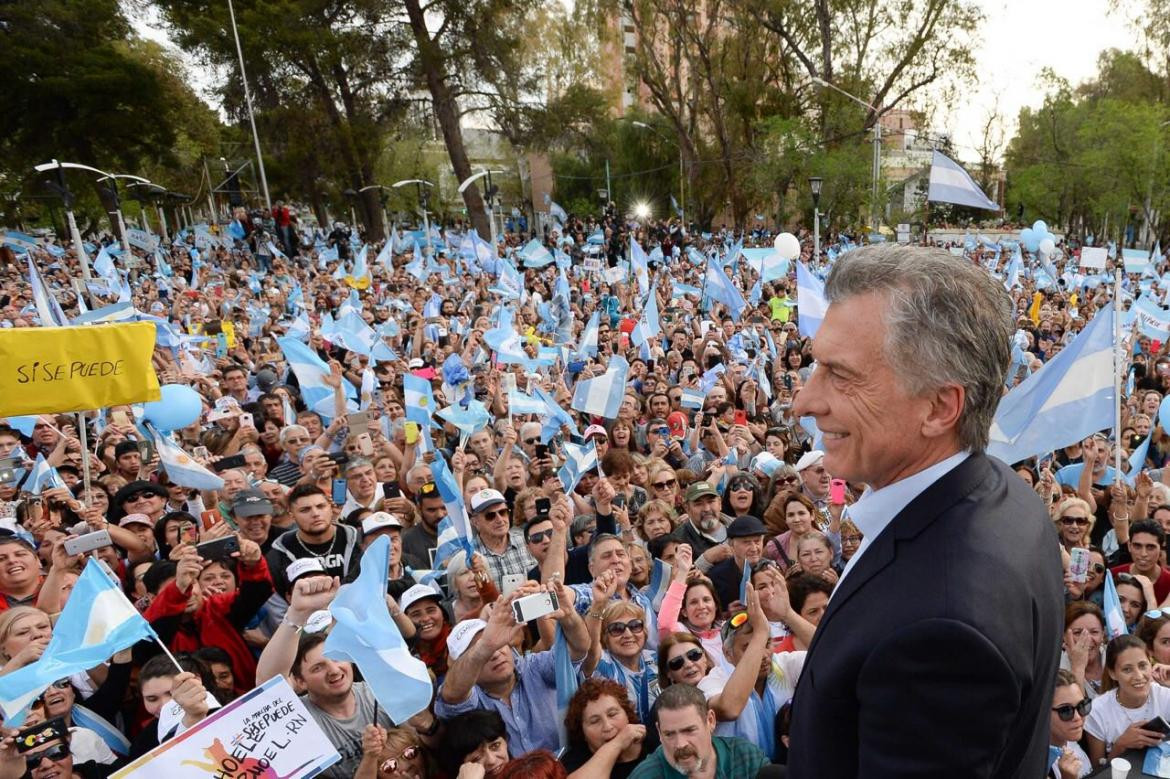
[[1122, 717]]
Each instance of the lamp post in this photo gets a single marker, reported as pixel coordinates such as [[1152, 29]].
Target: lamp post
[[62, 190], [251, 113], [677, 145], [112, 188], [814, 185], [489, 196], [877, 146], [153, 193], [423, 185]]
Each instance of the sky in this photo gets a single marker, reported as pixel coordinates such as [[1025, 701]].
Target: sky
[[1019, 39]]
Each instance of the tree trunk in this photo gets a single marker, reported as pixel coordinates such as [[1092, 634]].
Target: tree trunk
[[430, 56]]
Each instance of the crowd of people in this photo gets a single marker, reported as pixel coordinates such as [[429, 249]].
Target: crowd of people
[[689, 568]]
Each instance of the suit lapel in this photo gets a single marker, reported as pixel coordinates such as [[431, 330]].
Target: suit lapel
[[934, 501]]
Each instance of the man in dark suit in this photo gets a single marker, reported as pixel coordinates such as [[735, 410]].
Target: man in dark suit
[[938, 652]]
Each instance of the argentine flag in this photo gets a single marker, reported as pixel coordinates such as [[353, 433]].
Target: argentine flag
[[364, 634], [97, 622], [555, 417], [1065, 401], [523, 403], [810, 300], [419, 399], [1114, 617], [43, 476], [455, 528], [181, 468], [579, 460], [602, 396]]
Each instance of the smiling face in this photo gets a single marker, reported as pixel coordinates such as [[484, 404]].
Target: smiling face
[[427, 617], [624, 633], [699, 607], [19, 568], [694, 663], [1132, 671], [1132, 601], [798, 517], [875, 432], [324, 679]]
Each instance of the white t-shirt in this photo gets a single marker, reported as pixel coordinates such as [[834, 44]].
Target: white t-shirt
[[1109, 719]]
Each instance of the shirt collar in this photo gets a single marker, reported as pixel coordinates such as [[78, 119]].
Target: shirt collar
[[877, 508]]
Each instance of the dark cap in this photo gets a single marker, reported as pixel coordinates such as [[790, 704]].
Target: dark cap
[[700, 489], [125, 447], [251, 503], [746, 526], [266, 379], [135, 487]]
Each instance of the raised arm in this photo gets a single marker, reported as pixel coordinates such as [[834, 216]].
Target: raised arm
[[728, 704], [309, 595]]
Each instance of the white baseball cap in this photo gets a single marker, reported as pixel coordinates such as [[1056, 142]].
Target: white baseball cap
[[485, 499], [416, 593], [298, 568], [809, 459], [460, 637], [380, 520]]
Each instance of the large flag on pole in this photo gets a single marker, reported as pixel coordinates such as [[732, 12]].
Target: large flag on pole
[[48, 309], [1069, 398], [949, 183]]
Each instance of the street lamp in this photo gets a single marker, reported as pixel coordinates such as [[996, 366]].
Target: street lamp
[[681, 198], [814, 185], [248, 100], [62, 190], [112, 189], [422, 185], [489, 196], [877, 144], [156, 194]]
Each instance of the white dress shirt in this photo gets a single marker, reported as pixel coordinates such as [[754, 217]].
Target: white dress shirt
[[875, 509]]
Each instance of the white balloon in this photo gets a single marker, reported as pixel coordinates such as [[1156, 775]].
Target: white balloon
[[787, 246], [1048, 246]]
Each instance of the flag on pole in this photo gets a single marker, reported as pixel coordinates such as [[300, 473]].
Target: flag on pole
[[97, 622], [43, 477], [639, 264], [419, 399], [1068, 399], [555, 417], [1114, 617], [181, 468], [810, 300], [523, 403], [455, 529], [949, 183], [48, 309], [587, 346], [557, 212], [565, 677], [364, 634], [602, 396], [720, 289], [692, 397]]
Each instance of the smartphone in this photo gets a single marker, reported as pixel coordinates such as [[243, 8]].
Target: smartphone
[[1158, 725], [740, 417], [650, 366], [543, 506], [1078, 564], [188, 533], [211, 518], [411, 429], [87, 542], [235, 461], [358, 422], [365, 445], [837, 492], [391, 490], [339, 491], [120, 418], [8, 470], [35, 735], [146, 451], [535, 606], [541, 451], [339, 458], [219, 548], [246, 420], [619, 500], [511, 581], [201, 453]]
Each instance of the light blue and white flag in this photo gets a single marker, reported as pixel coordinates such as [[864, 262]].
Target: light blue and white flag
[[98, 621], [1114, 617], [557, 212], [467, 419], [579, 460], [181, 468], [455, 529], [566, 681], [418, 398], [602, 396], [648, 326], [42, 477], [719, 288], [949, 183], [554, 417], [639, 265], [523, 403], [810, 300], [692, 397], [310, 371], [365, 634], [48, 309], [1068, 399], [587, 345]]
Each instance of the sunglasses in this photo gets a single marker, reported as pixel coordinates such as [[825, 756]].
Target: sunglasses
[[532, 441], [489, 515], [1078, 521], [615, 629], [693, 655], [1068, 710], [537, 538], [1156, 613], [740, 486], [391, 765], [1097, 568], [662, 485], [139, 496], [789, 479], [59, 752]]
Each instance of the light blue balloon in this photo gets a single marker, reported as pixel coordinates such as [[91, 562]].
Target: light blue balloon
[[1039, 227], [178, 407]]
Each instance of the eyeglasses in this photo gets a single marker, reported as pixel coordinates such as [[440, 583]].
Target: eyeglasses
[[1068, 710], [740, 486], [738, 620], [61, 684], [850, 539], [537, 538], [615, 629], [59, 752], [693, 655], [789, 479], [1078, 521], [495, 514], [662, 485], [410, 753], [1127, 578]]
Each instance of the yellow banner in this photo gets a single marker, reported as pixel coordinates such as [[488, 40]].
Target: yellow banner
[[46, 370]]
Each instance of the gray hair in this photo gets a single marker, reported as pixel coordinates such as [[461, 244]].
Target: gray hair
[[289, 430], [357, 462], [682, 696], [947, 322]]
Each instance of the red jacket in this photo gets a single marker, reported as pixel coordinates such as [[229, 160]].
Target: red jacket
[[218, 622]]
